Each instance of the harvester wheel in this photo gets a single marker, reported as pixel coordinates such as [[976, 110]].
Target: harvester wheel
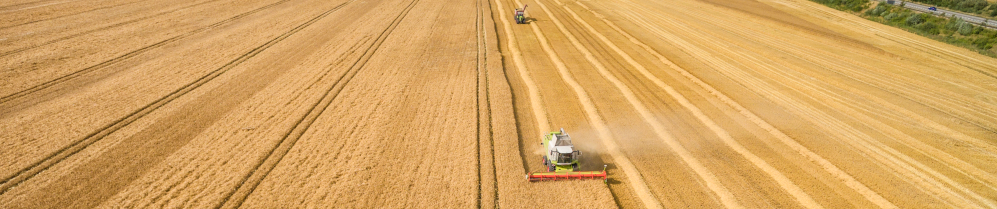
[[574, 167]]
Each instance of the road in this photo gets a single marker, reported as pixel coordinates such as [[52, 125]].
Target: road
[[949, 13]]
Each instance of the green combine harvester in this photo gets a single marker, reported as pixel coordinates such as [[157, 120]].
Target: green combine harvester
[[561, 160]]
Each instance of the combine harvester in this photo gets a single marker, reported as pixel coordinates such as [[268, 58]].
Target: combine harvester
[[562, 161]]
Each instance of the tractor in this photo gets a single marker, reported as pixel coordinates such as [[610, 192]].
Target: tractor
[[520, 15]]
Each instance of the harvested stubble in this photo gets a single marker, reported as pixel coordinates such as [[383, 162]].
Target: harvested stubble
[[355, 103]]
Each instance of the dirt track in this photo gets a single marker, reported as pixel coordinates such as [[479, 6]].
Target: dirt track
[[441, 103]]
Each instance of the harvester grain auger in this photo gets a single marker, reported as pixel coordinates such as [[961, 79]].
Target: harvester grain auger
[[561, 160], [520, 15]]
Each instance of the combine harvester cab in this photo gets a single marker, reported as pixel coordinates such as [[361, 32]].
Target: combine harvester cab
[[561, 160]]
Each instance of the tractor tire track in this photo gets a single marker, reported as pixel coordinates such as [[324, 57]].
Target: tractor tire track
[[933, 153], [478, 103], [712, 182], [484, 11], [943, 98], [636, 181], [8, 103], [829, 64], [784, 182], [920, 147], [487, 181], [22, 49], [251, 180], [68, 15], [939, 102], [938, 155], [16, 178], [808, 112], [923, 148], [952, 162], [938, 187], [887, 156], [5, 9], [533, 92], [829, 167], [939, 52], [852, 20]]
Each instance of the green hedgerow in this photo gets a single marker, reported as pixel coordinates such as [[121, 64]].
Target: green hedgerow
[[891, 16], [954, 24], [966, 28], [878, 10], [914, 20]]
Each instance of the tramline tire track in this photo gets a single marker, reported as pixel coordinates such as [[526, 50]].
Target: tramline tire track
[[950, 161], [839, 59], [946, 55], [537, 104], [20, 176], [899, 90], [477, 99], [6, 99], [924, 47], [933, 100], [878, 157], [885, 155], [920, 97], [484, 84], [236, 197], [893, 133], [636, 180], [977, 174], [533, 94], [848, 180], [484, 108], [932, 153], [67, 15], [906, 113], [864, 66], [37, 6], [918, 173], [22, 49], [894, 91], [939, 52], [488, 101], [4, 8], [784, 182], [352, 48], [727, 198], [842, 176], [921, 119]]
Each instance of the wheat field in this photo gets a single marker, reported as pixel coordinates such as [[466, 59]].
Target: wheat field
[[442, 104]]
